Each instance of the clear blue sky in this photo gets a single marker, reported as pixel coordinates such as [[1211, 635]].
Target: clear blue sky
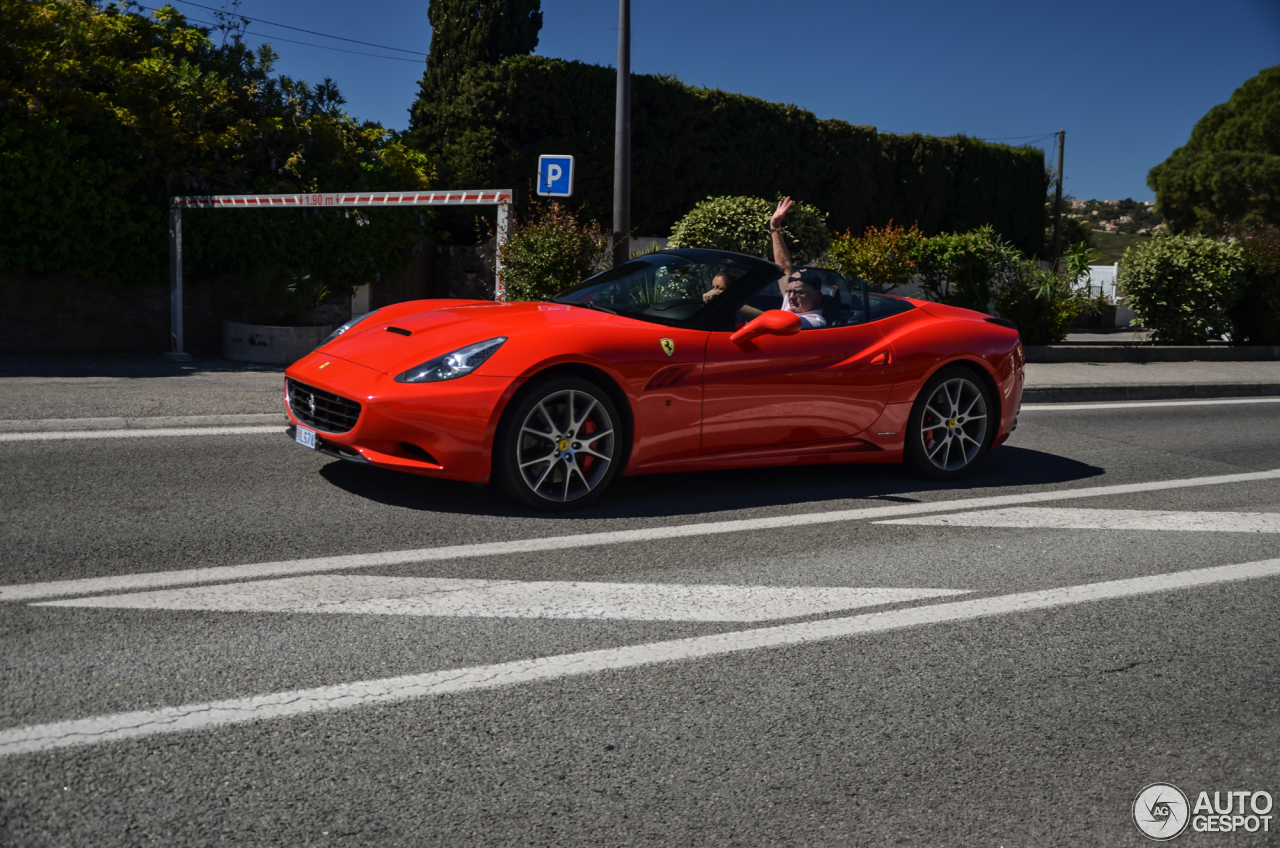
[[1127, 79]]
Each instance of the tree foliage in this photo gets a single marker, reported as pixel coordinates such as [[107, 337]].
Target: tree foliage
[[883, 256], [1229, 170], [548, 252], [1183, 287], [690, 143], [741, 224], [1255, 318], [465, 34], [106, 113]]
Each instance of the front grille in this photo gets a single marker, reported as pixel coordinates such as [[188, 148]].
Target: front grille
[[322, 410]]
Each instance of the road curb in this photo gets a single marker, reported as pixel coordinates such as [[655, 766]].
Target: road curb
[[1094, 352], [1089, 394], [64, 425]]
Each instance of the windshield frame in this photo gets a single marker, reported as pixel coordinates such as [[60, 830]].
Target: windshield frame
[[708, 316]]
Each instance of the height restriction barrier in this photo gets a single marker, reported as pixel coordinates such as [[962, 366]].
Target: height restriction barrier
[[502, 198]]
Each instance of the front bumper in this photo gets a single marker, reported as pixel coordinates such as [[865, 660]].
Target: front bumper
[[435, 429]]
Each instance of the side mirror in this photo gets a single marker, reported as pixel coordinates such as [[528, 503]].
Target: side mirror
[[775, 322]]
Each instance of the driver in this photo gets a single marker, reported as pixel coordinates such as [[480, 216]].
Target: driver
[[801, 287]]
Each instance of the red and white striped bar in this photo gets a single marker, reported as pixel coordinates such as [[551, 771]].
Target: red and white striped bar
[[479, 197], [500, 197]]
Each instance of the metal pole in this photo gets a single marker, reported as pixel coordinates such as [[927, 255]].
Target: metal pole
[[622, 141], [500, 239], [176, 353], [1057, 205]]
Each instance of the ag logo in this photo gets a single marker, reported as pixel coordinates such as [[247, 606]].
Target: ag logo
[[1160, 811], [668, 346]]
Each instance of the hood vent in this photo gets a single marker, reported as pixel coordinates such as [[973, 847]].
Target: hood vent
[[400, 330]]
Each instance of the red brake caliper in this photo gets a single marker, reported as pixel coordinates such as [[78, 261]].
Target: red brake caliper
[[588, 427]]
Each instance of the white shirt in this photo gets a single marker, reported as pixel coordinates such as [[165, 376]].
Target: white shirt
[[811, 319]]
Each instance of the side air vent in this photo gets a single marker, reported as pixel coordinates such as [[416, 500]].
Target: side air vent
[[669, 376]]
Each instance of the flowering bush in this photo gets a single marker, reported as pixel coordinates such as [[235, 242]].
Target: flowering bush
[[549, 252], [883, 256]]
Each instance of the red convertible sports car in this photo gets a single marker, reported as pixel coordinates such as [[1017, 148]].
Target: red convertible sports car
[[682, 360]]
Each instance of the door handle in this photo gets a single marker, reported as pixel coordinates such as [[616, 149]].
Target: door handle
[[883, 358]]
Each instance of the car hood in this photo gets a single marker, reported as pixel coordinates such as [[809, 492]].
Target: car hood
[[400, 337]]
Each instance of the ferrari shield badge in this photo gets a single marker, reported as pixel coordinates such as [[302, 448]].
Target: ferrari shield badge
[[668, 346]]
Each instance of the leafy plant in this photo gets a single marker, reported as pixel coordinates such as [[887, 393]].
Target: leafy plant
[[741, 224], [1255, 318], [883, 256], [967, 269], [549, 252], [1044, 303], [270, 295], [1183, 287]]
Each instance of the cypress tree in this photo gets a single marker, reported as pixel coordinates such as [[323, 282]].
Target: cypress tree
[[464, 34]]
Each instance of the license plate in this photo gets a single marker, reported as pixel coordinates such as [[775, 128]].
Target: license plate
[[305, 437]]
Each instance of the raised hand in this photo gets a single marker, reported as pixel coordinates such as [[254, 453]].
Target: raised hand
[[784, 206]]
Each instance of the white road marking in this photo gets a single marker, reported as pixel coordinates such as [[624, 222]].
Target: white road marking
[[138, 434], [229, 573], [1105, 519], [511, 599], [110, 728], [43, 425], [1132, 404]]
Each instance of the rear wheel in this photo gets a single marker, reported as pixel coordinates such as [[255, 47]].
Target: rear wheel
[[559, 445], [951, 426]]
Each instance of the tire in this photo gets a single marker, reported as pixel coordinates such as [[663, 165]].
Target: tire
[[952, 425], [541, 457]]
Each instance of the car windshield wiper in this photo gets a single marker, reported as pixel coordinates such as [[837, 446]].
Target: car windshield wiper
[[586, 304]]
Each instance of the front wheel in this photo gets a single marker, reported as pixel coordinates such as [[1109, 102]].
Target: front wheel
[[952, 425], [559, 445]]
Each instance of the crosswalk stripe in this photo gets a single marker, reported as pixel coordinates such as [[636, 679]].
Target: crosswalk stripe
[[1061, 518], [143, 723], [430, 596], [228, 573]]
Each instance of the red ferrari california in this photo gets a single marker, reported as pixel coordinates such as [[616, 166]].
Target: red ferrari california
[[684, 360]]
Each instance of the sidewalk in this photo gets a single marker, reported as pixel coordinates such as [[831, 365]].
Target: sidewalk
[[127, 391]]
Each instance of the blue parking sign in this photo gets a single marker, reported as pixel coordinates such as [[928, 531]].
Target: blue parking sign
[[555, 175]]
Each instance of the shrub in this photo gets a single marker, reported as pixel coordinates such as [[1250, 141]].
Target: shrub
[[1183, 287], [549, 252], [741, 224], [1255, 318], [1044, 303], [883, 256], [967, 269]]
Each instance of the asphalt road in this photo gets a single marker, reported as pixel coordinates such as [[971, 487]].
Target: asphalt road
[[1020, 722]]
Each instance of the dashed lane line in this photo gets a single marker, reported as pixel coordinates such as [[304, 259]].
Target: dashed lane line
[[190, 717], [235, 573]]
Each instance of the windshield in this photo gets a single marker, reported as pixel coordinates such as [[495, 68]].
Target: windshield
[[661, 288]]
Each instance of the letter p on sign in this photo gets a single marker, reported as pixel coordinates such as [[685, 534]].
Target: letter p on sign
[[555, 176]]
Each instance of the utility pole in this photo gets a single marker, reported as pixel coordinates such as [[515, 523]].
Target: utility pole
[[1057, 205], [622, 141]]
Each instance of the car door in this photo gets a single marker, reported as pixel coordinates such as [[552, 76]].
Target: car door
[[821, 383]]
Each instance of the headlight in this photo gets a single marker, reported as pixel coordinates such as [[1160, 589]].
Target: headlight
[[346, 326], [451, 366]]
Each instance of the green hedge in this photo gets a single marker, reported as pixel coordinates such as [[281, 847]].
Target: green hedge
[[691, 143]]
